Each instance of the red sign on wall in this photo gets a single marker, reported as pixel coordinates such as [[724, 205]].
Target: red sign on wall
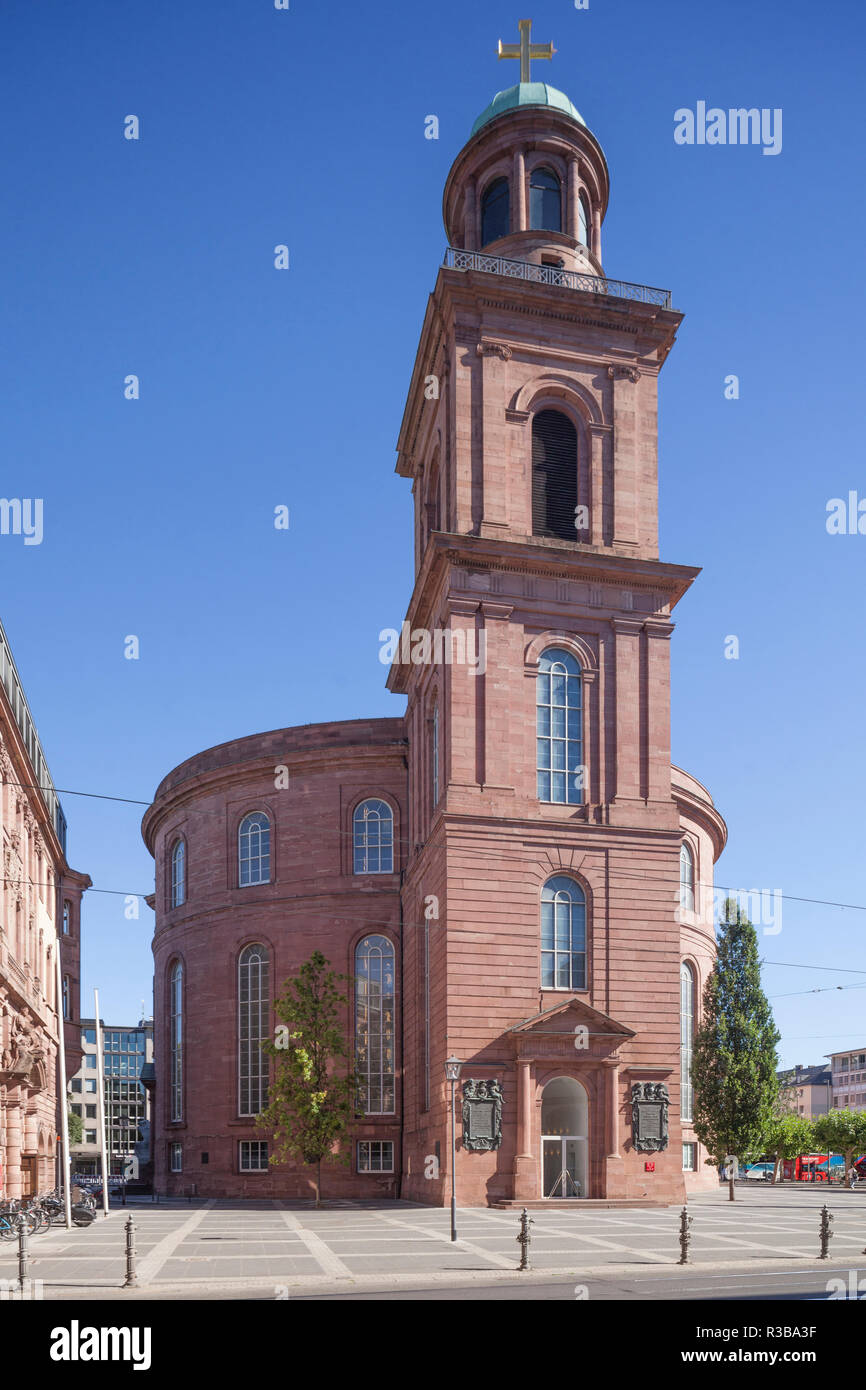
[[649, 1167]]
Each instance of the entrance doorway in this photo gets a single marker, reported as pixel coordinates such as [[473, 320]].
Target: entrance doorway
[[29, 1175], [564, 1139]]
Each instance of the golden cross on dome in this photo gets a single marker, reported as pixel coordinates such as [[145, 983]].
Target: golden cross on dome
[[525, 50]]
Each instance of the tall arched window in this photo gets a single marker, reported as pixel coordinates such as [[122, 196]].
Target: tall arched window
[[687, 1033], [583, 220], [554, 475], [495, 214], [253, 1021], [373, 838], [175, 1040], [375, 1024], [558, 727], [563, 934], [254, 849], [545, 201], [178, 873], [434, 757], [687, 879], [66, 996]]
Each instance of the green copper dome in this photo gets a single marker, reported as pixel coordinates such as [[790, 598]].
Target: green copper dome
[[528, 94]]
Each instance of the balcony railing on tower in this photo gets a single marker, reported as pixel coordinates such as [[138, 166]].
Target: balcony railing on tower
[[455, 259]]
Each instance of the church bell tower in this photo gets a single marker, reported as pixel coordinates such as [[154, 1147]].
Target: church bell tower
[[543, 898]]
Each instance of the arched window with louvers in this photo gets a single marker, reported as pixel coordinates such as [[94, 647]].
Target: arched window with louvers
[[554, 475]]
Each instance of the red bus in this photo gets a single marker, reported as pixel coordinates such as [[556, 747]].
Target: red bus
[[812, 1167]]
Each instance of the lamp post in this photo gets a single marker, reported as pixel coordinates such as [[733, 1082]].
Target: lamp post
[[452, 1073]]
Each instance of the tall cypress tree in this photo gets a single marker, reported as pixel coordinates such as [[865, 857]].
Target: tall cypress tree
[[734, 1057]]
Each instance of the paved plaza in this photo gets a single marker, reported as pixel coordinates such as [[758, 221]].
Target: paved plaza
[[283, 1249]]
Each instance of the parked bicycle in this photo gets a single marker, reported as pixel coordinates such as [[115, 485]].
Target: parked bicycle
[[13, 1214]]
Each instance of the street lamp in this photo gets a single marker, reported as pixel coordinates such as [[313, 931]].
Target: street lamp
[[452, 1074], [124, 1124]]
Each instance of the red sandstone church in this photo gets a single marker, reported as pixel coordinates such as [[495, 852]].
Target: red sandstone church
[[512, 873]]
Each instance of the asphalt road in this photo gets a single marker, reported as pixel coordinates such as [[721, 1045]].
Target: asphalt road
[[807, 1285]]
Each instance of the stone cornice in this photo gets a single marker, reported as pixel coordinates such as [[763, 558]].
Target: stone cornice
[[704, 813], [173, 796]]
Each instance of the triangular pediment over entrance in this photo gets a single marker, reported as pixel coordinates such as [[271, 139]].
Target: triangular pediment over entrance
[[573, 1026]]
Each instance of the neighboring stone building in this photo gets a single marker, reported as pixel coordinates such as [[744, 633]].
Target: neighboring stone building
[[40, 901], [513, 872], [127, 1057], [805, 1090], [849, 1079]]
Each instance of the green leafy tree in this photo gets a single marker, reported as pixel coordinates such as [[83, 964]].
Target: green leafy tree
[[841, 1131], [734, 1058], [76, 1128], [312, 1099], [787, 1136]]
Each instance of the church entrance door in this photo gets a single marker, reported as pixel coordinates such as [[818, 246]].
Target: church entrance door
[[563, 1164], [563, 1139]]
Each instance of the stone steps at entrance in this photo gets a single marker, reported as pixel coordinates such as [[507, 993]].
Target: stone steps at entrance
[[574, 1203]]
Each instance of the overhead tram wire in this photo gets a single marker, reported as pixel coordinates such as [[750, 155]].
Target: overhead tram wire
[[645, 875]]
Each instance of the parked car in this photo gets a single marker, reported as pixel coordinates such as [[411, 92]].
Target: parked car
[[135, 1187], [759, 1172]]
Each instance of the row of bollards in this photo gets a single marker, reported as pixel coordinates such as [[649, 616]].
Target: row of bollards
[[825, 1233], [523, 1238], [130, 1282]]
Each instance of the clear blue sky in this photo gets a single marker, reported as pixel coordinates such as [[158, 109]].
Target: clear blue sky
[[258, 387]]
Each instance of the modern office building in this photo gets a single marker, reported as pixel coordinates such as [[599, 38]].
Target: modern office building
[[127, 1062]]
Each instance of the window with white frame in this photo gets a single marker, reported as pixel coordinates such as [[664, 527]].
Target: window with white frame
[[687, 1034], [175, 1044], [375, 1026], [373, 838], [175, 1157], [254, 849], [253, 1155], [690, 1157], [66, 996], [178, 873], [375, 1156], [253, 1019], [563, 934], [559, 734], [687, 879]]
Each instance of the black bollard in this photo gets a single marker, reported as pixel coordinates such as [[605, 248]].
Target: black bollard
[[524, 1238], [131, 1280], [685, 1238], [826, 1233], [23, 1251]]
